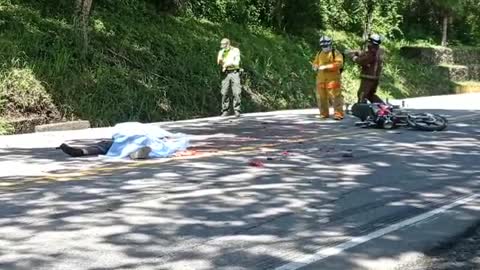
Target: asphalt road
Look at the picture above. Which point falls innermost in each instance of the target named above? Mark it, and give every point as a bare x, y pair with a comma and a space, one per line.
328, 196
462, 253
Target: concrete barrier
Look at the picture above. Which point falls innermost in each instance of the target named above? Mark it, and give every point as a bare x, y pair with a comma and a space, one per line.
428, 55
467, 87
71, 125
454, 72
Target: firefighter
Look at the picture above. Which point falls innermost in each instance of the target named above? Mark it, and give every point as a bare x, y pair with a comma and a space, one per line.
371, 63
328, 64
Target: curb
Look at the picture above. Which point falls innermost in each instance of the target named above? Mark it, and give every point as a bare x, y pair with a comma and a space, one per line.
63, 126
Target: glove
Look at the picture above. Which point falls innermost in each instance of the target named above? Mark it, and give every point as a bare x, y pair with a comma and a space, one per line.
322, 67
351, 53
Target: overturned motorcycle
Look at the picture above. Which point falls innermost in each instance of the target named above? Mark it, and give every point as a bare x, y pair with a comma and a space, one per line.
387, 116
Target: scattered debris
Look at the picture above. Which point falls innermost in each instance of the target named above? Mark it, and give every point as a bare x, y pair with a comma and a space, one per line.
187, 153
256, 163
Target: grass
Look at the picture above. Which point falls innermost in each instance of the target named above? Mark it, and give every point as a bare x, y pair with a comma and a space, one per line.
146, 67
5, 127
166, 71
405, 78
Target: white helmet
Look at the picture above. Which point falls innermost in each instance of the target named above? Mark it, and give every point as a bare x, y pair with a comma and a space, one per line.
224, 43
375, 39
325, 41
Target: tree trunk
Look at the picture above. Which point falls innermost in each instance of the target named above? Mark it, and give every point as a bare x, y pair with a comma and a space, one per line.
82, 15
278, 14
445, 31
368, 26
370, 7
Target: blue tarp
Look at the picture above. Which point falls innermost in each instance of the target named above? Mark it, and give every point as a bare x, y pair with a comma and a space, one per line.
131, 136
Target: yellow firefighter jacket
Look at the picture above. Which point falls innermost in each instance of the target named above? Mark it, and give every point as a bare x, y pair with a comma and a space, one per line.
332, 73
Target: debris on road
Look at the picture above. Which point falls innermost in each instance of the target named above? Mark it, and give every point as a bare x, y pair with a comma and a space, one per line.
256, 163
187, 153
348, 154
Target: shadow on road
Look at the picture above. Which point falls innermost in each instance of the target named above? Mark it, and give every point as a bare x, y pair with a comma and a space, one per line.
219, 212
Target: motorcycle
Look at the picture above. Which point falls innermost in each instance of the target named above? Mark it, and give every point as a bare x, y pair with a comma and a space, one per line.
387, 116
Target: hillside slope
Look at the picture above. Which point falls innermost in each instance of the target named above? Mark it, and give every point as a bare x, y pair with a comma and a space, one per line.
143, 66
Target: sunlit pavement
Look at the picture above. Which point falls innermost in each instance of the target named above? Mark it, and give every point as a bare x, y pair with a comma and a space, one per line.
328, 196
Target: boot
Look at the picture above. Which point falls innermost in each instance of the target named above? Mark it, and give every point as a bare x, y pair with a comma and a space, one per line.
71, 151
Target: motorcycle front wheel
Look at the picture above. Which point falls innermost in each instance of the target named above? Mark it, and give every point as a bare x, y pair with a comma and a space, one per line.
427, 121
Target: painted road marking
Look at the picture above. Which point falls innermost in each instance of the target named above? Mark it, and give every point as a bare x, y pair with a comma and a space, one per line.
336, 250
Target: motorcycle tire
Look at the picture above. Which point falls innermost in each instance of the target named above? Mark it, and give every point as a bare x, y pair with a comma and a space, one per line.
427, 121
362, 111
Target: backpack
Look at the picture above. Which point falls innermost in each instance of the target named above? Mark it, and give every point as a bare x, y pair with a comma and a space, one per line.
343, 56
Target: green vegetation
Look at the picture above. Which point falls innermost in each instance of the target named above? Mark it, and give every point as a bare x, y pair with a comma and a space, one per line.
144, 65
165, 71
5, 128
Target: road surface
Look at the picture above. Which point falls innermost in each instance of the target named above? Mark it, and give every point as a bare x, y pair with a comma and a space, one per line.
328, 196
462, 253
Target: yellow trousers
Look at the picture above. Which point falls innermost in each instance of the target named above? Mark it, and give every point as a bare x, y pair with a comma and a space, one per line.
330, 94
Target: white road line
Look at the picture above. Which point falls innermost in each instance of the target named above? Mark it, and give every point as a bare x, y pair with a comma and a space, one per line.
332, 251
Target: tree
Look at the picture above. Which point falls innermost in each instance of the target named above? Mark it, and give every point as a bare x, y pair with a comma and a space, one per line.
299, 15
363, 16
169, 6
81, 19
278, 14
448, 9
369, 8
